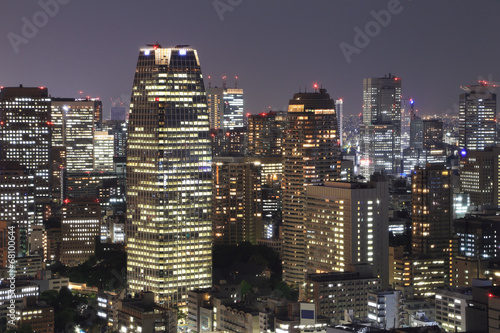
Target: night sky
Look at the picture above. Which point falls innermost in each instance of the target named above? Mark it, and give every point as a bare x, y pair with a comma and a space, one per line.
274, 47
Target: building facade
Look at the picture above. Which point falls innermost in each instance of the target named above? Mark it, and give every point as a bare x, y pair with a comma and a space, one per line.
169, 176
311, 149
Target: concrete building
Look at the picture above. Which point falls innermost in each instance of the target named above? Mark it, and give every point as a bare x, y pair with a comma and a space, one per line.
236, 201
310, 148
451, 305
345, 225
81, 219
169, 176
39, 317
335, 293
384, 308
145, 316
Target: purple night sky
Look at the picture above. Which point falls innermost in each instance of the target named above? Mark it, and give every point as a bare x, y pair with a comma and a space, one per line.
274, 47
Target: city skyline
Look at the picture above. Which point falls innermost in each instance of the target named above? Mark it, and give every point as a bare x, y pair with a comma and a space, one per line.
328, 45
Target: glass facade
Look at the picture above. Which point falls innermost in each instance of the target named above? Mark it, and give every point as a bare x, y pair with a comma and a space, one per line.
169, 177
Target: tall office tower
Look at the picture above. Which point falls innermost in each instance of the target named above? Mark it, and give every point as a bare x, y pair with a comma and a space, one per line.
339, 107
169, 176
477, 117
479, 176
236, 201
432, 213
265, 132
25, 137
225, 106
407, 110
74, 124
432, 134
80, 227
381, 129
17, 201
416, 129
346, 224
271, 171
310, 152
104, 150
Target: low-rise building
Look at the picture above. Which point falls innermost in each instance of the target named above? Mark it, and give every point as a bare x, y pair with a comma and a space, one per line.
334, 293
451, 304
145, 316
39, 316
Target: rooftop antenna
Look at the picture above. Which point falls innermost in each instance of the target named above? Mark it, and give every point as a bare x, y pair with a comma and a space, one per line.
236, 83
224, 82
209, 81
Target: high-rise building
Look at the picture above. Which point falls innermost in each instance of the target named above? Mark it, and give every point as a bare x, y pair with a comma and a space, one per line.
265, 134
236, 201
432, 134
477, 117
169, 176
104, 151
346, 224
432, 213
25, 137
225, 106
74, 125
17, 201
479, 176
81, 219
381, 128
310, 152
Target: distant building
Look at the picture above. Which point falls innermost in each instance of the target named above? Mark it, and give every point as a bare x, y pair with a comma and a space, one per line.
25, 137
81, 219
479, 176
381, 128
225, 106
266, 132
75, 121
236, 201
104, 150
477, 117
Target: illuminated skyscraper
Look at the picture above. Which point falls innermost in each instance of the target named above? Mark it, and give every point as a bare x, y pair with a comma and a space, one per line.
381, 143
25, 137
431, 200
74, 125
265, 134
237, 201
169, 176
311, 152
477, 117
79, 229
17, 201
225, 106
